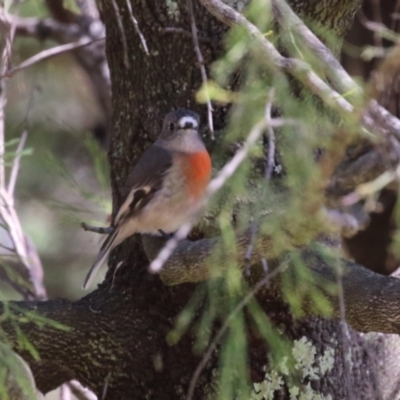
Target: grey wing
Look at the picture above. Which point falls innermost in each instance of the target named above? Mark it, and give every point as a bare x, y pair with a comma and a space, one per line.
142, 184
144, 181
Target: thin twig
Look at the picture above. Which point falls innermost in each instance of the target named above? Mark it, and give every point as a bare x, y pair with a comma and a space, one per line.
121, 31
264, 264
157, 264
297, 68
80, 392
375, 118
268, 173
25, 252
376, 9
15, 167
338, 76
22, 247
200, 367
181, 31
184, 32
393, 24
46, 54
106, 383
379, 30
137, 29
97, 229
7, 39
249, 251
8, 214
202, 67
65, 392
35, 27
271, 137
229, 169
10, 249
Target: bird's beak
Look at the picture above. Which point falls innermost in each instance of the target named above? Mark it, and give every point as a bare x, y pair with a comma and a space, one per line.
187, 126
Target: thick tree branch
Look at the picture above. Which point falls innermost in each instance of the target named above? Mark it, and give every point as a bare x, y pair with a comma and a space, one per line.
81, 340
371, 306
372, 300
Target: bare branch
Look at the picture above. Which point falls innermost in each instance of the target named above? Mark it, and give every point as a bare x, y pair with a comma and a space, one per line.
181, 31
275, 61
65, 392
106, 383
137, 29
49, 53
8, 37
21, 245
373, 117
271, 138
121, 31
80, 392
15, 167
25, 252
97, 229
202, 67
337, 75
270, 163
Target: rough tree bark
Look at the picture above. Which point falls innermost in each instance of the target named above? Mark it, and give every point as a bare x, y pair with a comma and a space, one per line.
116, 336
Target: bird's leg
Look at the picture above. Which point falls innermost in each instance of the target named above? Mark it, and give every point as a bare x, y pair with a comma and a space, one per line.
97, 229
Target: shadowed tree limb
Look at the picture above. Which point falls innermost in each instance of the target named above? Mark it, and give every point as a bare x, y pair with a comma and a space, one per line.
372, 300
371, 306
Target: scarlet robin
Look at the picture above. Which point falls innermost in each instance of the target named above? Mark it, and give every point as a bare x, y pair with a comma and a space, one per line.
165, 188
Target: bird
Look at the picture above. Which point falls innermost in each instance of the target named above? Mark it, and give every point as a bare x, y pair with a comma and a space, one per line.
165, 189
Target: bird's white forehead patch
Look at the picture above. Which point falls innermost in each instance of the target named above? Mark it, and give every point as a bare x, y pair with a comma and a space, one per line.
184, 120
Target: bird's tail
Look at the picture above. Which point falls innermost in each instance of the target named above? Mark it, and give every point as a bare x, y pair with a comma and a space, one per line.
105, 249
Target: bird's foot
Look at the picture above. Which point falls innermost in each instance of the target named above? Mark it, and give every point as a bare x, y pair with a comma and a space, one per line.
165, 235
97, 229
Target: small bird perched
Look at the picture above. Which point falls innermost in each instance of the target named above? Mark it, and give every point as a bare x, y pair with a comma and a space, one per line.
166, 187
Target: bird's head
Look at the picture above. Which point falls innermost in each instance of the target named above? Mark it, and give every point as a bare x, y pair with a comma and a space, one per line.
180, 123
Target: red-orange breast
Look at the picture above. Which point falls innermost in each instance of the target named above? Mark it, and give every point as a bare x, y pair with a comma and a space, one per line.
198, 173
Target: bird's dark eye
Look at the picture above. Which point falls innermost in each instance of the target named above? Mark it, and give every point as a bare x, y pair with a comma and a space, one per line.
171, 126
